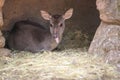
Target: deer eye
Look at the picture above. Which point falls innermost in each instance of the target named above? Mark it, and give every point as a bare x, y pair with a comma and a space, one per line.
51, 25
61, 25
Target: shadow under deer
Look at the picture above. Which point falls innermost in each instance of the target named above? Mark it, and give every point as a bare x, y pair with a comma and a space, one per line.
33, 37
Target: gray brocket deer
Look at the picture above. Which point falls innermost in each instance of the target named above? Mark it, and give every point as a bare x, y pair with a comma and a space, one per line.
30, 36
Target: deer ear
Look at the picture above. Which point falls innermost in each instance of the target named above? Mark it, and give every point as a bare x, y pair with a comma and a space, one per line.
68, 13
45, 15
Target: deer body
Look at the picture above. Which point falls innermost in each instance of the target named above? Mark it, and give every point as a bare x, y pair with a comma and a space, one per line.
33, 37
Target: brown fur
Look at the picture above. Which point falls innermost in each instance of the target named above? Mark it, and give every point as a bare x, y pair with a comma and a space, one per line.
31, 36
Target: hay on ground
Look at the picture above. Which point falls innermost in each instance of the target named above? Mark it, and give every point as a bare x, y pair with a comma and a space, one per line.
72, 64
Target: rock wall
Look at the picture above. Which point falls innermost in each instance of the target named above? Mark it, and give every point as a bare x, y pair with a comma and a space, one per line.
107, 38
3, 51
1, 16
2, 39
85, 13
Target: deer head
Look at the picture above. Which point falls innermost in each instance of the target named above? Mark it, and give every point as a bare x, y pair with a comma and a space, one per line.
57, 23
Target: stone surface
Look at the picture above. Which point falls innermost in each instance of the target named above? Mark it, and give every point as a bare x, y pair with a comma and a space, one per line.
1, 15
2, 40
1, 3
106, 42
109, 10
5, 52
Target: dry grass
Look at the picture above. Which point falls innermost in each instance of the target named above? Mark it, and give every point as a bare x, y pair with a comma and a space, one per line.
72, 64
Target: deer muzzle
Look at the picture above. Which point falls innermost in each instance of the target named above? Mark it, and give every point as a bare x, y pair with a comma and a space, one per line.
57, 40
55, 36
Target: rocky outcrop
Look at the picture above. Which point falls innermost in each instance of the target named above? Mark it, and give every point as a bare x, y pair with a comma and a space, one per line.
2, 39
1, 16
109, 10
3, 51
106, 41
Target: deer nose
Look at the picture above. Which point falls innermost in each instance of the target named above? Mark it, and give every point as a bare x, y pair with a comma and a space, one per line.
55, 35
